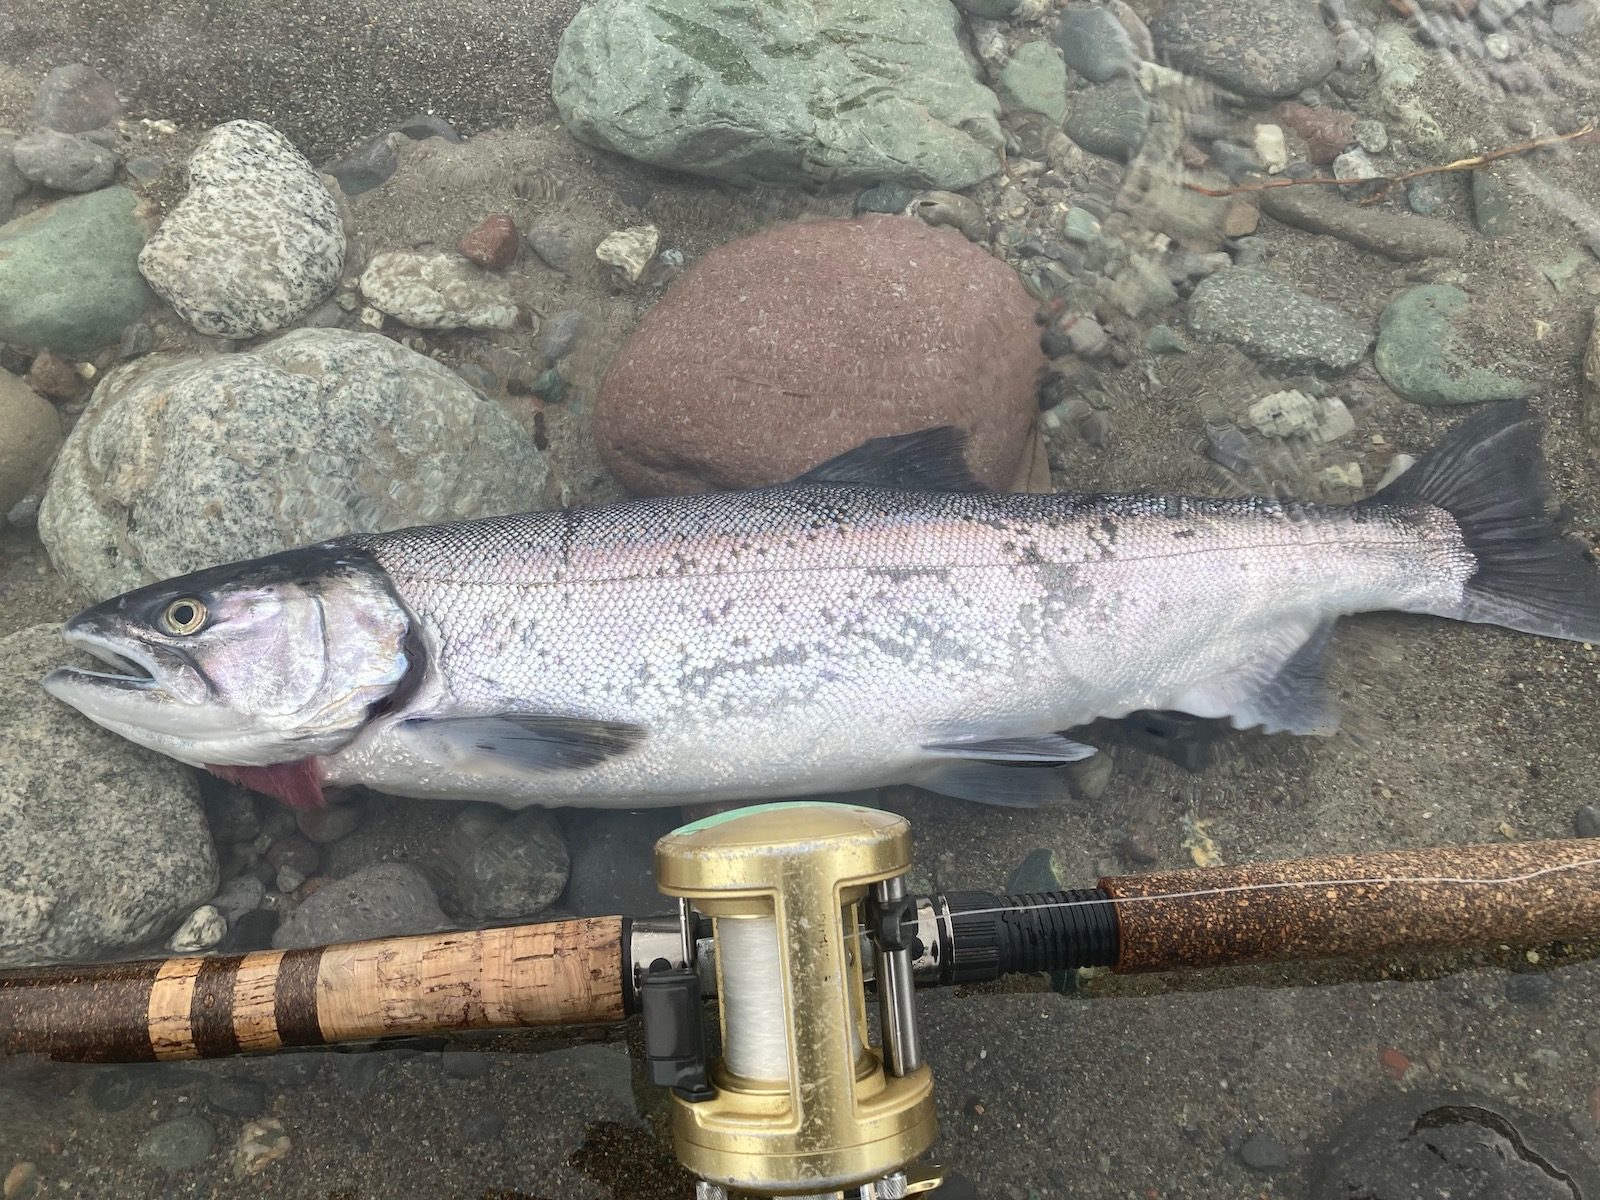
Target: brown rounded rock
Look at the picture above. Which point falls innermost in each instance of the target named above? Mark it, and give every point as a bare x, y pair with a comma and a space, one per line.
777, 351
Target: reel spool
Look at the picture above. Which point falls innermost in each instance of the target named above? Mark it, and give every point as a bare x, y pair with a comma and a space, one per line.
800, 1103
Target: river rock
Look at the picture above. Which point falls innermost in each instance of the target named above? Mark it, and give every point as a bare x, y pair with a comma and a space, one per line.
64, 162
1094, 43
438, 291
846, 330
497, 865
384, 900
846, 94
1276, 322
1259, 47
69, 276
256, 243
102, 844
75, 99
1395, 235
316, 433
1109, 118
1422, 355
1035, 80
32, 435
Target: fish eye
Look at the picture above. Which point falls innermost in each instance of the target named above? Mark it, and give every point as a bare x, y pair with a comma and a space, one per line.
184, 616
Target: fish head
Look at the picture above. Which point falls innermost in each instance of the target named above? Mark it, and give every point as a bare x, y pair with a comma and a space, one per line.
261, 662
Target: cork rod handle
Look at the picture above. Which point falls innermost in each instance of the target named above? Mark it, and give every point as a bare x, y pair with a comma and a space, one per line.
568, 972
1358, 904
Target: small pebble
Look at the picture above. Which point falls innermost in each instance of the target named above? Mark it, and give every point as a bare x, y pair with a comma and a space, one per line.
1354, 164
145, 169
205, 927
493, 244
1395, 1061
1087, 337
889, 198
261, 1143
179, 1144
53, 378
558, 334
1371, 136
1138, 847
1263, 1152
550, 386
425, 125
1240, 218
288, 879
295, 851
629, 250
1587, 821
1270, 148
552, 244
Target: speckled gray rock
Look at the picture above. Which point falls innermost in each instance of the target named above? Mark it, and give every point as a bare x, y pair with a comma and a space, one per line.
1094, 43
183, 462
497, 865
864, 93
557, 335
1276, 322
69, 279
255, 244
30, 435
1258, 47
1035, 80
64, 162
438, 291
74, 99
1109, 118
102, 845
378, 901
1422, 355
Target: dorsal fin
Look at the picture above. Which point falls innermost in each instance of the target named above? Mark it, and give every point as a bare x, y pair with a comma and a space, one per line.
930, 460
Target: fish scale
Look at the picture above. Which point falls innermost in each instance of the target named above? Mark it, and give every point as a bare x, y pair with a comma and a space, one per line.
853, 626
879, 621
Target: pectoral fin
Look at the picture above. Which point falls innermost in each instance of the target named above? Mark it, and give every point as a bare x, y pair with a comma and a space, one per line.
522, 742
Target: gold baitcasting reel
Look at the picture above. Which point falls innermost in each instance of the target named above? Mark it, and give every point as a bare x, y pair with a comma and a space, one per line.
801, 1102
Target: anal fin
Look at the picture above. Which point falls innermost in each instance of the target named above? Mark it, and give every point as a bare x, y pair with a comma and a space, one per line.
1282, 691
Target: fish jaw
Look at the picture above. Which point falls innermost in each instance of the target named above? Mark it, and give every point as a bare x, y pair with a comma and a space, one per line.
156, 698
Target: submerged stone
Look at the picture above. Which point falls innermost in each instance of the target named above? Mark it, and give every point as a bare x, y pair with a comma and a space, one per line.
782, 94
313, 434
1421, 353
69, 275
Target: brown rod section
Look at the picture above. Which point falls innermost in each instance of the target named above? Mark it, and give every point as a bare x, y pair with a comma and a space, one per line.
563, 973
1339, 905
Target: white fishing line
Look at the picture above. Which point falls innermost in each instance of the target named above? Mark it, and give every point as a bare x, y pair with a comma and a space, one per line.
756, 1044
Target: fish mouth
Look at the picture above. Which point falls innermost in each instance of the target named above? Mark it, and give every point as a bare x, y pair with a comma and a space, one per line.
136, 667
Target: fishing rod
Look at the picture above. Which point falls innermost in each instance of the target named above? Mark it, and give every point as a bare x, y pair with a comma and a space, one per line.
785, 913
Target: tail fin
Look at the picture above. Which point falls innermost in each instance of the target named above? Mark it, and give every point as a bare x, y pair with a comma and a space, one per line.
1489, 475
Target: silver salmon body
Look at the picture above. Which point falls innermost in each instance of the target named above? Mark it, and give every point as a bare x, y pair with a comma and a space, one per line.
878, 621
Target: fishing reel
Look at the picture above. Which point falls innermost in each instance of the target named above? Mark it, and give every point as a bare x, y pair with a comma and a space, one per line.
802, 1101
